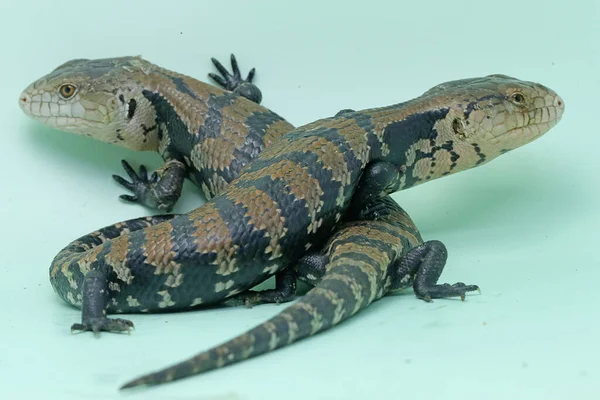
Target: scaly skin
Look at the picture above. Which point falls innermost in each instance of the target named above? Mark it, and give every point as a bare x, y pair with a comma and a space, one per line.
205, 133
295, 193
362, 262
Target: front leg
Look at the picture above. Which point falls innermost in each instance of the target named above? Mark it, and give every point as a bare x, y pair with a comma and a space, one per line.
160, 191
235, 83
422, 267
377, 181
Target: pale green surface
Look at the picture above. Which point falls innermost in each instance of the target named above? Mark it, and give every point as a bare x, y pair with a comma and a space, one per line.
524, 227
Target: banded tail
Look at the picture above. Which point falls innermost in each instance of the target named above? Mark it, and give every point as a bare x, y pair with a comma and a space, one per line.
359, 269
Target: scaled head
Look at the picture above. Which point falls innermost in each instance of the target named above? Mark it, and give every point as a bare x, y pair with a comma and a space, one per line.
497, 113
99, 98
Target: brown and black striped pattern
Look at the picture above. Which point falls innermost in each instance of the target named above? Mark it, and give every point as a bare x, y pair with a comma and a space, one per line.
213, 131
293, 195
257, 227
361, 268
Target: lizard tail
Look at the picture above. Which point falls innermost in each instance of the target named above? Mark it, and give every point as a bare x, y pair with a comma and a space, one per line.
347, 287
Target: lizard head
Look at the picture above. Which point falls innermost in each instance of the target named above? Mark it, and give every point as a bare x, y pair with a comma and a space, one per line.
465, 123
494, 114
99, 98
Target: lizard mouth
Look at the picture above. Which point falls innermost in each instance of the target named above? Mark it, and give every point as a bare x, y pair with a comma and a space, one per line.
534, 123
71, 116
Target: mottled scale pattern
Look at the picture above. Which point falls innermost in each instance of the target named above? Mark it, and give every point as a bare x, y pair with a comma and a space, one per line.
70, 265
257, 227
214, 131
294, 195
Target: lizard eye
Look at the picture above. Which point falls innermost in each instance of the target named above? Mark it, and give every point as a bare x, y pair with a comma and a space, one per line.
67, 90
518, 98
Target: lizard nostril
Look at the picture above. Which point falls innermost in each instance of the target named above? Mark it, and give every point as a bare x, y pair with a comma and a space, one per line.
24, 100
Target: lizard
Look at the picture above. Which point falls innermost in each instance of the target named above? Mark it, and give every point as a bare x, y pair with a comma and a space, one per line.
379, 253
203, 132
293, 195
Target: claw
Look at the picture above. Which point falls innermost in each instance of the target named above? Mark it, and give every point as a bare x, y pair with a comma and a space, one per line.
235, 68
143, 174
127, 167
218, 79
220, 67
251, 75
123, 182
131, 199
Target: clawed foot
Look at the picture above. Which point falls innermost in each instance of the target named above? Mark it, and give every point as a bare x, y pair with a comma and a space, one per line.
242, 299
229, 81
235, 83
284, 291
253, 298
139, 185
458, 289
103, 324
425, 263
159, 191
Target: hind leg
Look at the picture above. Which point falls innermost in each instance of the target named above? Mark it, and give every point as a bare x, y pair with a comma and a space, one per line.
422, 267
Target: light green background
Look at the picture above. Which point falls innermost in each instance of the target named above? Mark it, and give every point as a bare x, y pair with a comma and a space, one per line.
524, 227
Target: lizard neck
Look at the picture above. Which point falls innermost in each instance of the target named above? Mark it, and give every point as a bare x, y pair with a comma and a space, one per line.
163, 92
417, 137
182, 105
